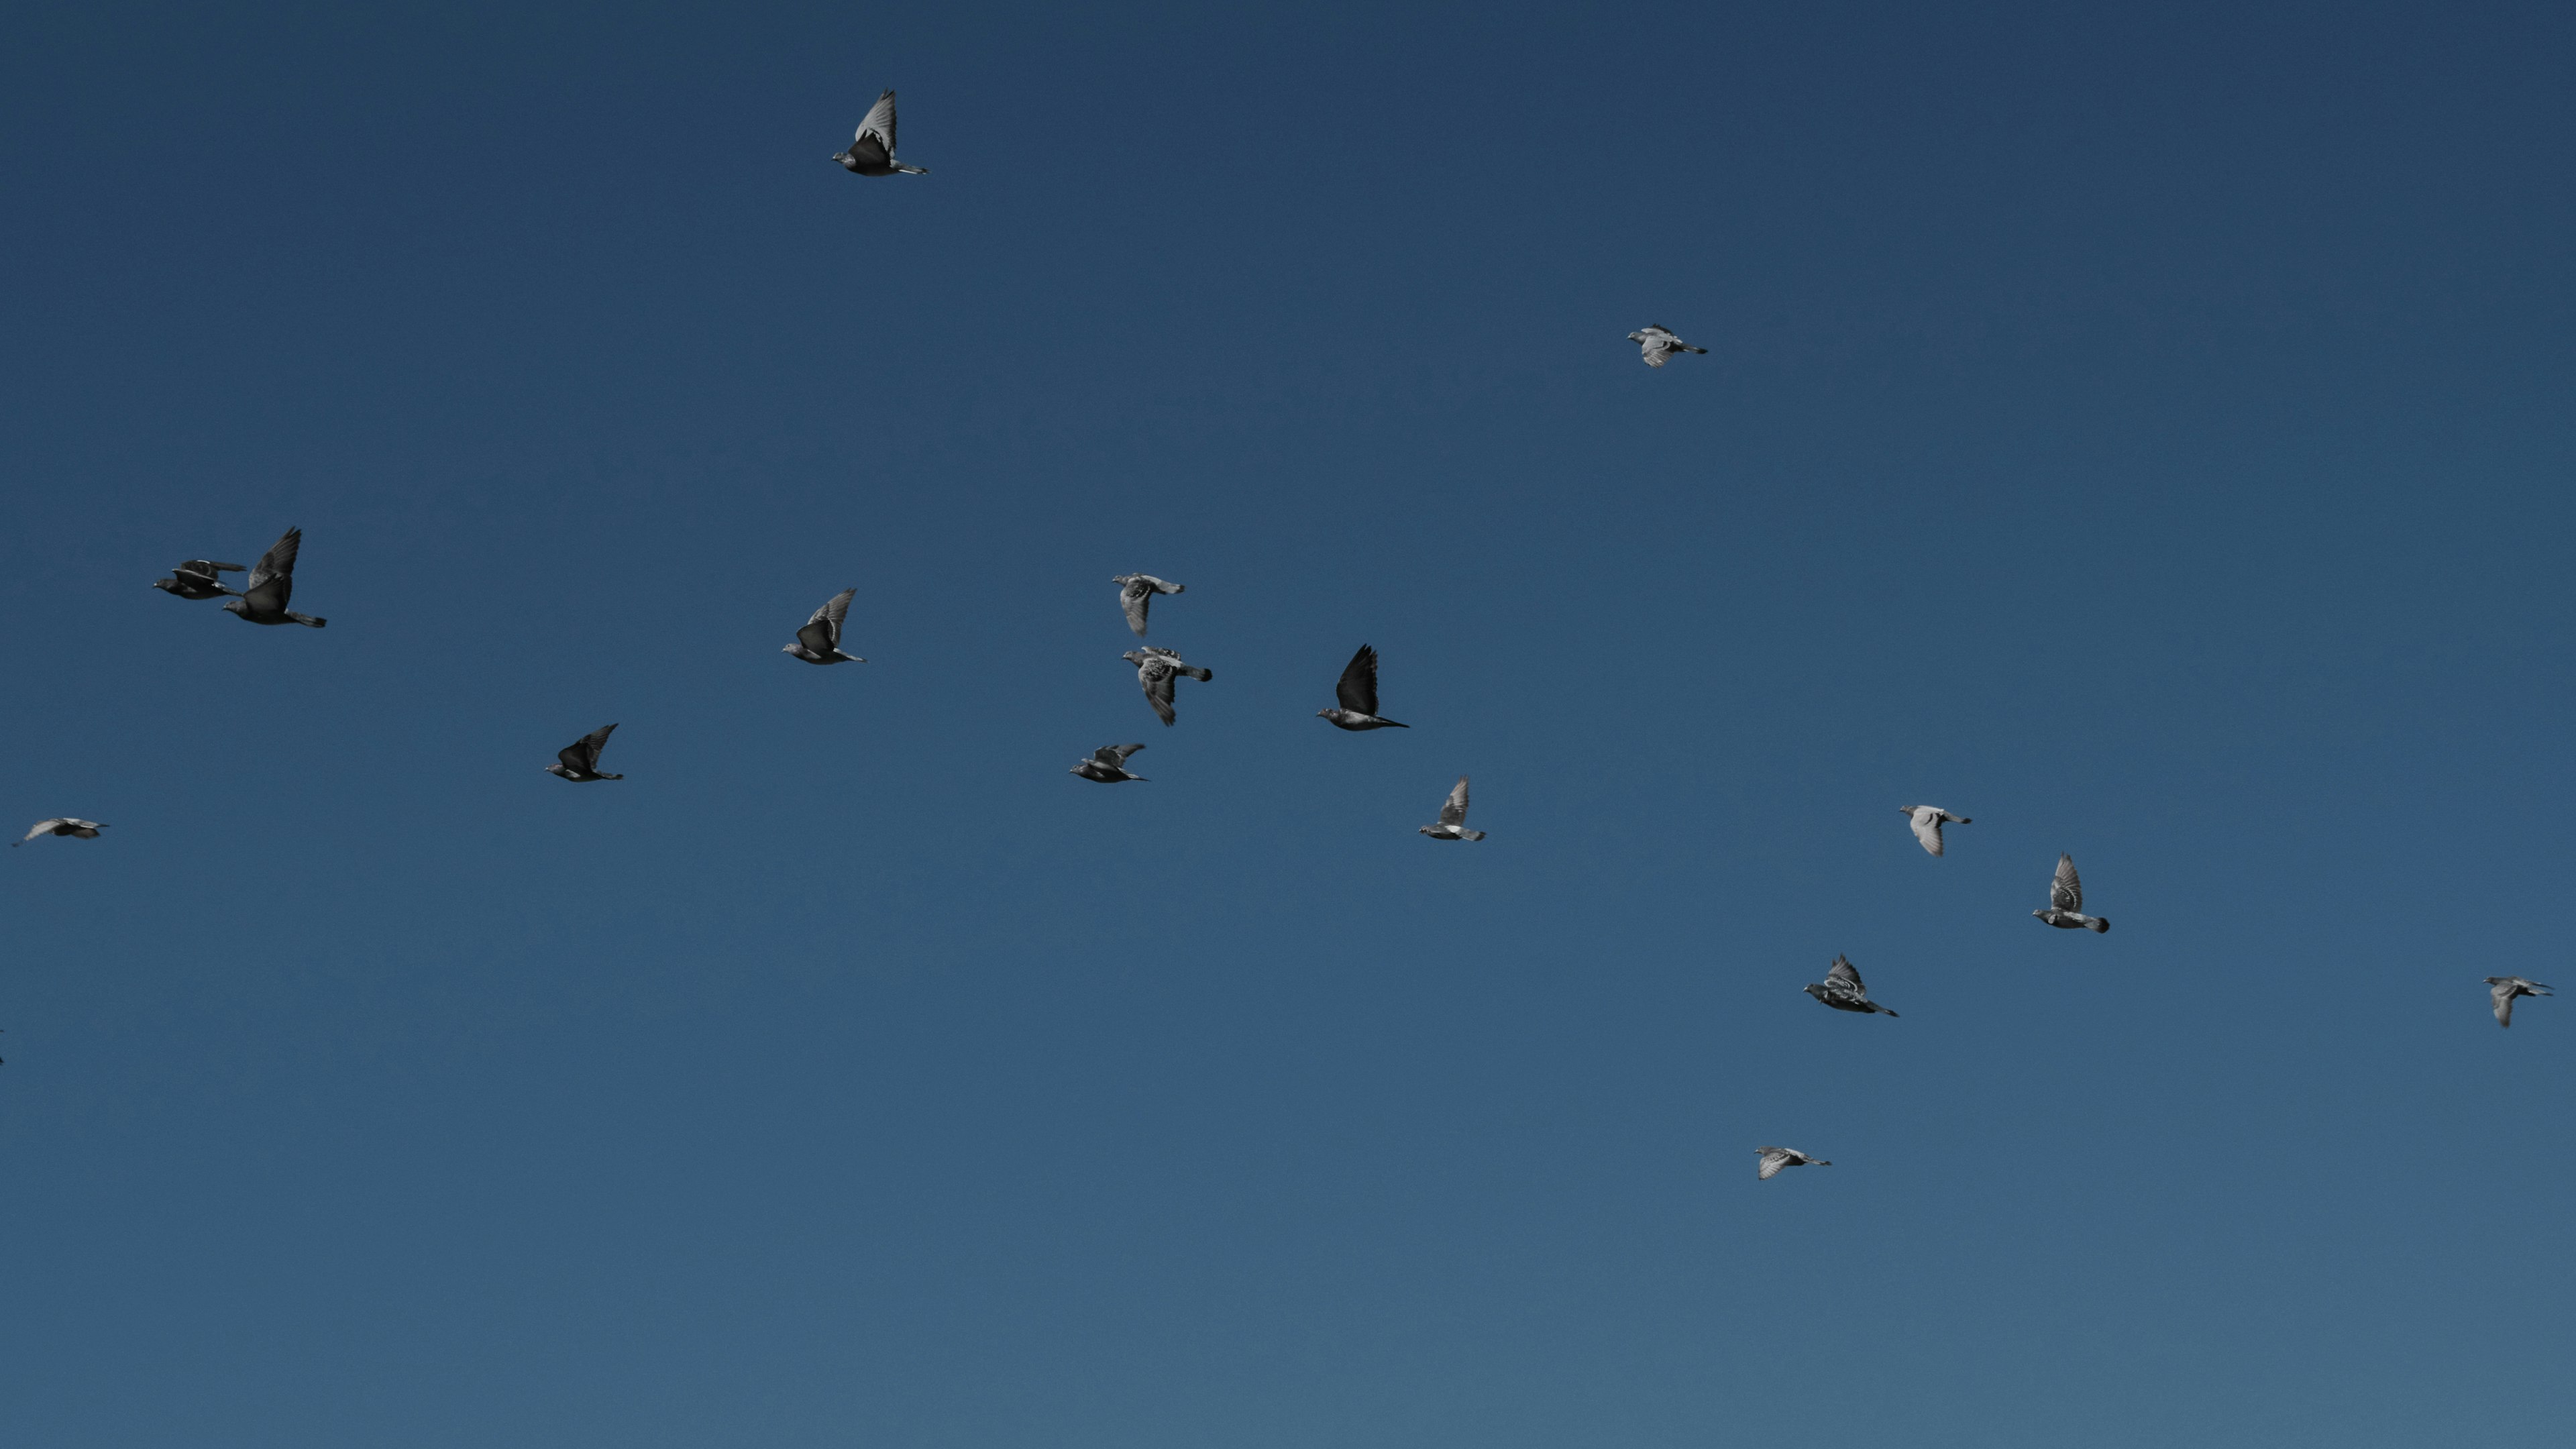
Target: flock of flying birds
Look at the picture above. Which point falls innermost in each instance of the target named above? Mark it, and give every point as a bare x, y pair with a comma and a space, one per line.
264, 595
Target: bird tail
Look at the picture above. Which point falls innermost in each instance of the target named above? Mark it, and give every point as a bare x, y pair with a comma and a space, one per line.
908, 169
1686, 347
2098, 926
1391, 724
1883, 1011
612, 777
1201, 675
1471, 835
307, 620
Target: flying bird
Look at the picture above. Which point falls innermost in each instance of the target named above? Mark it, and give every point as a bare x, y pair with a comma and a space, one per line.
1927, 824
2505, 988
197, 579
1156, 669
1108, 764
1841, 990
2066, 901
1358, 694
272, 582
62, 825
1657, 344
579, 761
819, 642
872, 152
1775, 1158
1453, 817
1136, 594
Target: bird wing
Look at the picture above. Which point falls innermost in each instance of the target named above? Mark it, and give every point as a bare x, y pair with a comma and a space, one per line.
582, 755
41, 827
1455, 811
822, 633
1136, 597
1927, 828
1656, 351
1843, 970
272, 581
1773, 1159
2503, 993
1115, 756
2066, 891
879, 125
1155, 675
1358, 687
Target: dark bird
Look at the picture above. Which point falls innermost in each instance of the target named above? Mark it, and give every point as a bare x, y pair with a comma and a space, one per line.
272, 583
1453, 817
2505, 988
1927, 824
579, 761
1775, 1158
1657, 344
1156, 669
1358, 694
62, 825
872, 152
1841, 990
819, 642
1136, 595
1108, 764
2066, 901
196, 579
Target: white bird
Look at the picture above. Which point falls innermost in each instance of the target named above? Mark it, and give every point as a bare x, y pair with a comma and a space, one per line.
1927, 824
63, 825
2503, 989
1453, 817
1156, 669
819, 642
2066, 901
1657, 344
1108, 764
272, 583
1775, 1158
871, 152
1136, 594
1357, 691
579, 761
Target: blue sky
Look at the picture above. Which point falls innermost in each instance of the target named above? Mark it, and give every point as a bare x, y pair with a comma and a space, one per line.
2147, 435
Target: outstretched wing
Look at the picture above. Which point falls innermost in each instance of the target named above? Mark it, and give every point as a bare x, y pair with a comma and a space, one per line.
1773, 1159
822, 633
582, 755
1156, 677
272, 580
2503, 993
1843, 970
879, 129
1927, 828
1136, 598
2066, 891
1358, 687
43, 827
1455, 811
1115, 756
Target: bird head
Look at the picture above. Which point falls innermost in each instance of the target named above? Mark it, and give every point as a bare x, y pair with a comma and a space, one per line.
1815, 989
236, 606
2042, 914
1323, 714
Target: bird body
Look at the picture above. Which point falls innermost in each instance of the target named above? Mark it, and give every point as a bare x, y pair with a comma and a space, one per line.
198, 578
2503, 989
1841, 990
1453, 817
1775, 1158
2066, 901
819, 642
1656, 343
76, 828
272, 582
871, 152
1136, 595
1927, 824
1357, 692
1108, 764
579, 761
1156, 670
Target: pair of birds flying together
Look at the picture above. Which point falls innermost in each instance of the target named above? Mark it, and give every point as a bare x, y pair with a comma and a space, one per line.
262, 598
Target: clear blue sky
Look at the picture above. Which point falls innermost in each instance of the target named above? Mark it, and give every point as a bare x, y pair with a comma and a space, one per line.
2149, 436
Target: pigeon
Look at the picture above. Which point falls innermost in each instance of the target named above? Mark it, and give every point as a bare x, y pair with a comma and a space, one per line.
1775, 1158
1156, 668
62, 825
2505, 988
1136, 594
2066, 901
196, 579
1358, 694
1453, 817
579, 761
1927, 824
272, 581
1657, 344
1841, 990
819, 642
1108, 764
871, 153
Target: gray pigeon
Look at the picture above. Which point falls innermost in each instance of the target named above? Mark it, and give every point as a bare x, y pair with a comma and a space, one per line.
1156, 669
2505, 988
1136, 594
872, 152
272, 582
819, 642
1358, 694
579, 761
197, 579
1453, 817
1108, 764
63, 825
1775, 1158
1927, 824
1841, 990
2066, 901
1658, 344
